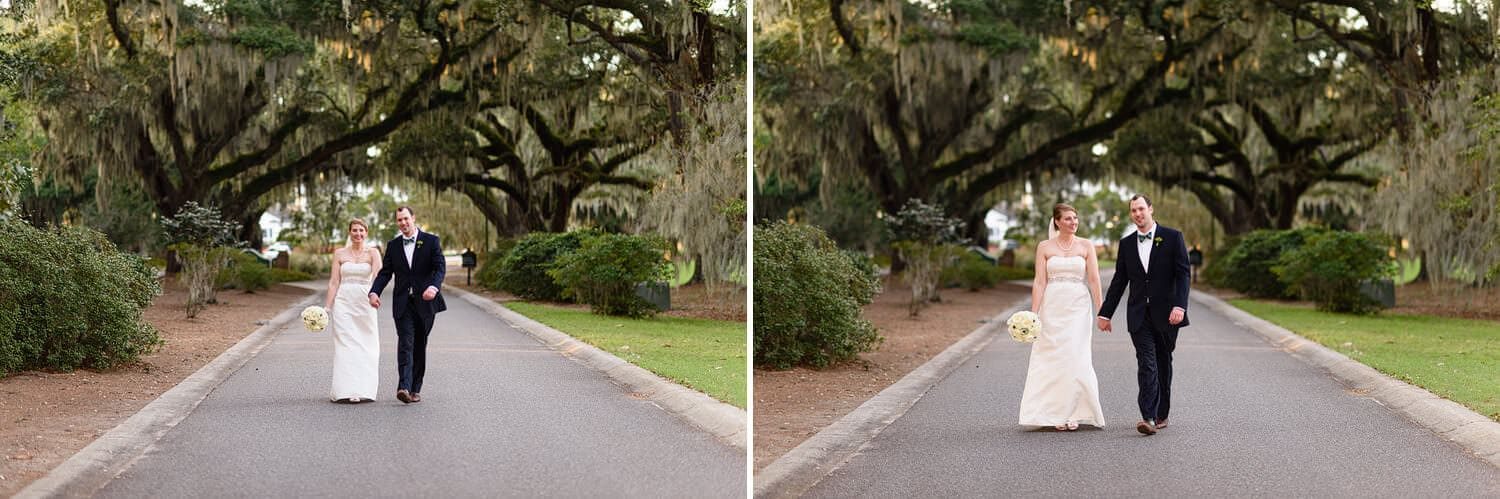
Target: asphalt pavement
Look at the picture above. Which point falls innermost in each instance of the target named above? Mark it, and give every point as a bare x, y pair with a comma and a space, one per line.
1248, 419
501, 416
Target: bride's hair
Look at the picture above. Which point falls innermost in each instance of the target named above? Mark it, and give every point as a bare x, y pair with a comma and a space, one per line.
1057, 212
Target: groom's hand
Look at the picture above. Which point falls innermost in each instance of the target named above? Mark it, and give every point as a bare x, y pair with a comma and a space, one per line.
374, 300
1103, 324
429, 294
1176, 316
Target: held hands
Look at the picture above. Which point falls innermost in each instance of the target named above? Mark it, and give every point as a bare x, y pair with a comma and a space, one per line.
1176, 316
1104, 324
374, 300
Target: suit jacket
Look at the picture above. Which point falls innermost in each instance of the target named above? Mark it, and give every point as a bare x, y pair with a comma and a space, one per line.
1153, 292
427, 268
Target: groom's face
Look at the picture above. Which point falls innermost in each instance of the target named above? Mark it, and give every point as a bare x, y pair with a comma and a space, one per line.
404, 221
1140, 213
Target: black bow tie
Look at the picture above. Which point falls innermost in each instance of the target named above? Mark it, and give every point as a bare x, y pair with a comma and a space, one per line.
408, 240
1141, 238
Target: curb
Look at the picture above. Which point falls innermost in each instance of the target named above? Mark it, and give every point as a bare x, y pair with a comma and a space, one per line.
91, 468
1472, 431
794, 473
725, 422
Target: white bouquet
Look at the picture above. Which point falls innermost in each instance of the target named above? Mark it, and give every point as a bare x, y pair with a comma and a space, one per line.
1023, 326
315, 318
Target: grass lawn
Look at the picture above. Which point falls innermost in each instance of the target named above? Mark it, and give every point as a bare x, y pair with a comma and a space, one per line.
705, 355
1457, 359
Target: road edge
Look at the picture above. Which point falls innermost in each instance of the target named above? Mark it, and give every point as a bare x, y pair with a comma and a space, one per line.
725, 422
1448, 419
797, 471
96, 464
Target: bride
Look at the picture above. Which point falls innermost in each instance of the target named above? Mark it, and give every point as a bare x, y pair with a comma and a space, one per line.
355, 332
1062, 390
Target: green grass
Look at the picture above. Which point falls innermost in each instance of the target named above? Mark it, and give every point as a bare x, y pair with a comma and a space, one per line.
705, 355
1457, 359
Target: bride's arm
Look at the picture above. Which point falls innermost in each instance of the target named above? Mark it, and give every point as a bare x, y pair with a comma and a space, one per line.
1039, 281
374, 260
1093, 276
333, 281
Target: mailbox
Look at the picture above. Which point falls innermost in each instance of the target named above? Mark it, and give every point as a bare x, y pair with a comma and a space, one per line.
470, 260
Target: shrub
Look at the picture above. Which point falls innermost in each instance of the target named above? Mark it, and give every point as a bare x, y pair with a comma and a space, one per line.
287, 275
1328, 269
246, 273
604, 271
807, 299
69, 299
524, 272
201, 238
311, 263
1015, 273
490, 264
972, 272
1247, 266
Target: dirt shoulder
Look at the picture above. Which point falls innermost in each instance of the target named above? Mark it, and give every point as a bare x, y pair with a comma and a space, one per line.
793, 405
47, 417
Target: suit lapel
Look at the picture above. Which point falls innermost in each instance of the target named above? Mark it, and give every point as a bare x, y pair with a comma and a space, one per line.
1156, 253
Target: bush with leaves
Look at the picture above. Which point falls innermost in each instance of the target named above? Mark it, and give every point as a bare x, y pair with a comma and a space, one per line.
246, 273
488, 274
604, 270
808, 299
1330, 266
972, 272
524, 272
203, 242
927, 241
1246, 267
69, 299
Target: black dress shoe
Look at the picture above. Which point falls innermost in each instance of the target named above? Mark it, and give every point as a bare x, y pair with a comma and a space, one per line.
403, 396
1147, 427
416, 397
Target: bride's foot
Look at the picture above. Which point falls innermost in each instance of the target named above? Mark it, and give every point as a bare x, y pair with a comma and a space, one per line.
1061, 427
1072, 426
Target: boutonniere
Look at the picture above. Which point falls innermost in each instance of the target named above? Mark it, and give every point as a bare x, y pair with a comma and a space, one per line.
419, 242
1158, 241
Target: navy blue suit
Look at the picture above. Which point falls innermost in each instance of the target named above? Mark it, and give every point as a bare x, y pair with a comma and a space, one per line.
414, 316
1153, 294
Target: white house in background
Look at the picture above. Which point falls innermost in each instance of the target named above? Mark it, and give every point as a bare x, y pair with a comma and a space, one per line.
272, 222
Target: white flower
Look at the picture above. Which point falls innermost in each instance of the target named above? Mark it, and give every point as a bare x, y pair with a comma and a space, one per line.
1023, 326
315, 318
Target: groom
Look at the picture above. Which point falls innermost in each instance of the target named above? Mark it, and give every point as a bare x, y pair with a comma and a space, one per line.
1153, 260
416, 259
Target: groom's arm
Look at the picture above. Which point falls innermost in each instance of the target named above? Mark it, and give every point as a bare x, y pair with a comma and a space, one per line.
439, 266
1181, 272
384, 276
1116, 286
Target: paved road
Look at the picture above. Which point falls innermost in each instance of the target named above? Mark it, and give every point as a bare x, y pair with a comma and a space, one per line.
501, 416
1247, 420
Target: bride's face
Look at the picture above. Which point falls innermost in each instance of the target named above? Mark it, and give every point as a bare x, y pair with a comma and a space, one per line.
357, 233
1068, 224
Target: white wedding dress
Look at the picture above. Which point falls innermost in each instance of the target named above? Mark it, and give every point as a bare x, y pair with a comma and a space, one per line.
1060, 382
356, 335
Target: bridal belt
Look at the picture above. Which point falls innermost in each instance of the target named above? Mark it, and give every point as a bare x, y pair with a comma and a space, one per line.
1078, 280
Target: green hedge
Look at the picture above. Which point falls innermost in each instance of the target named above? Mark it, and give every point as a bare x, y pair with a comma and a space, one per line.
524, 271
1328, 269
1246, 267
808, 299
245, 273
488, 274
972, 272
604, 270
69, 299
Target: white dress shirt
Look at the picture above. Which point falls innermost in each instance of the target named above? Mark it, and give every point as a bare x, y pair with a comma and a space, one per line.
1143, 248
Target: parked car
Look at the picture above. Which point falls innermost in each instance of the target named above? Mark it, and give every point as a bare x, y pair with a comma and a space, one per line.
277, 248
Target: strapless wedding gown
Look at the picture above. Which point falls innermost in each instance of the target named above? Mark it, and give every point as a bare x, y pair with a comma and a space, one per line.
1060, 382
356, 335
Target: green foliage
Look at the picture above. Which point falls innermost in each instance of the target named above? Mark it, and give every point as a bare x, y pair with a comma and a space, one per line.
246, 273
807, 300
69, 299
273, 41
286, 275
1329, 267
1016, 273
605, 269
198, 225
924, 223
972, 272
1246, 267
201, 238
524, 272
311, 264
